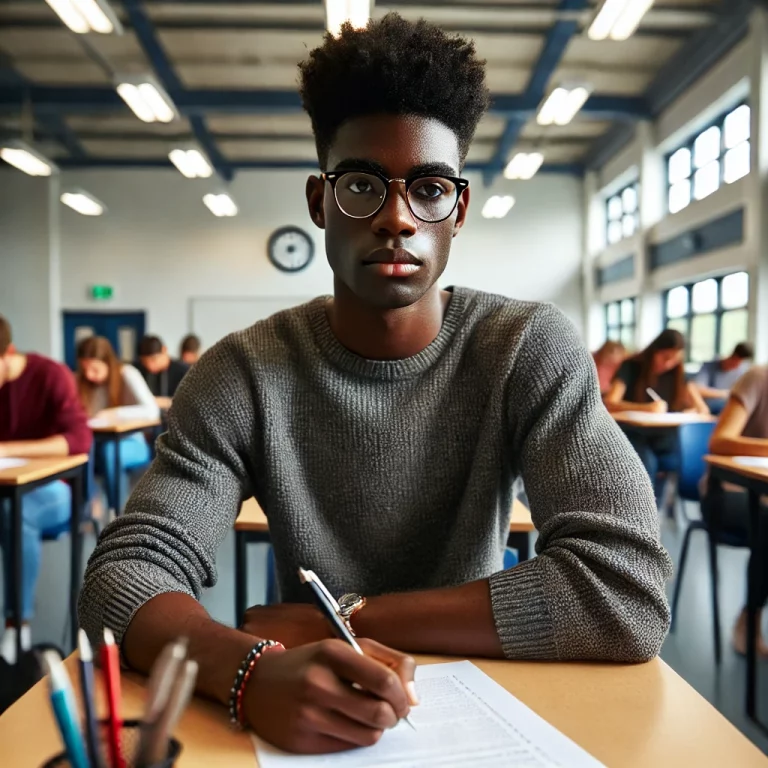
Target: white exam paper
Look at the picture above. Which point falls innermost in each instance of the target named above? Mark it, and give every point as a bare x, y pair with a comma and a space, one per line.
464, 719
663, 418
12, 463
752, 461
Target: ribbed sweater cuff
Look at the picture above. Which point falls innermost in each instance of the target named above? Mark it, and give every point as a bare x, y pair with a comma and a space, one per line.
521, 613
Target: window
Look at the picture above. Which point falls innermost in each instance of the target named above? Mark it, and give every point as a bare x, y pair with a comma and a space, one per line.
717, 155
711, 314
620, 322
622, 214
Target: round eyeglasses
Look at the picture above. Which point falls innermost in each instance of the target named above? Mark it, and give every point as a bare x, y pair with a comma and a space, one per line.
360, 194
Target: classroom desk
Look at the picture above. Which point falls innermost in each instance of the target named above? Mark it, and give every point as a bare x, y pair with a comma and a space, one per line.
252, 527
755, 480
14, 483
114, 430
627, 716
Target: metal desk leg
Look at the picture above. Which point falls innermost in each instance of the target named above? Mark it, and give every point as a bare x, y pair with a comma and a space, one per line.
753, 580
241, 576
76, 555
17, 565
522, 543
118, 478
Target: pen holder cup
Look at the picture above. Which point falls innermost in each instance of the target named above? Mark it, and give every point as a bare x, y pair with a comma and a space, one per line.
129, 745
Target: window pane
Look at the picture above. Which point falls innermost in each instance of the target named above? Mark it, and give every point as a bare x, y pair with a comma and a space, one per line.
614, 334
680, 324
628, 337
735, 290
614, 208
702, 338
705, 296
629, 200
613, 314
679, 195
706, 148
614, 232
677, 302
736, 163
679, 167
733, 330
627, 312
706, 180
737, 126
628, 225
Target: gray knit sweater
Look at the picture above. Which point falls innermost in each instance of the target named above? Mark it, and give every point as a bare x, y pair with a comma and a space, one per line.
388, 476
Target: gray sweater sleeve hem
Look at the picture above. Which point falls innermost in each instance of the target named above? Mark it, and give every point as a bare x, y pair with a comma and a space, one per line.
520, 610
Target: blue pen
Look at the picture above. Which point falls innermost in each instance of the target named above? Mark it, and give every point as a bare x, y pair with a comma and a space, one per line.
89, 702
65, 711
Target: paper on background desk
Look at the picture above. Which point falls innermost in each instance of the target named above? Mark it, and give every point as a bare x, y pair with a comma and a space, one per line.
662, 418
12, 463
752, 461
464, 719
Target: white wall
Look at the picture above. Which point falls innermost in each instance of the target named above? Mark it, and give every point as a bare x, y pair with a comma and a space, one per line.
160, 247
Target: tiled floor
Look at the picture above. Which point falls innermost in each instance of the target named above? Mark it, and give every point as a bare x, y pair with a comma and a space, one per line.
689, 651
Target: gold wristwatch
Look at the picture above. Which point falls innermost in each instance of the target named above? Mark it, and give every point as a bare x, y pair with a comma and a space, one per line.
349, 605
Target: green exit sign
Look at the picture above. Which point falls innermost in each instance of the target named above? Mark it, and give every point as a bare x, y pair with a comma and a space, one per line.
102, 292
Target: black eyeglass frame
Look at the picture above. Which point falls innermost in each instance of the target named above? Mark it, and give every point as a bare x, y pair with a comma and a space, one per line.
461, 184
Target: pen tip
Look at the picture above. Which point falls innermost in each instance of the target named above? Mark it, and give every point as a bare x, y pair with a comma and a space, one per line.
84, 646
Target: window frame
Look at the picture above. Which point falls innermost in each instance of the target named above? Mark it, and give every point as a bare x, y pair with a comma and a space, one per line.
688, 317
719, 121
635, 185
622, 326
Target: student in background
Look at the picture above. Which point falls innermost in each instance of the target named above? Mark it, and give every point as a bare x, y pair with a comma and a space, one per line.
162, 374
190, 349
658, 367
40, 415
104, 383
741, 430
608, 359
715, 379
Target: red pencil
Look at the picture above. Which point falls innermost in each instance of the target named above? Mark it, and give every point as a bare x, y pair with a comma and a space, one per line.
110, 663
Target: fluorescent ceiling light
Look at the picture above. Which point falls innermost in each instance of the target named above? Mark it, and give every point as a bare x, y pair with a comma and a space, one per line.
191, 163
147, 100
221, 204
356, 12
618, 19
81, 201
83, 16
561, 106
523, 165
27, 159
498, 206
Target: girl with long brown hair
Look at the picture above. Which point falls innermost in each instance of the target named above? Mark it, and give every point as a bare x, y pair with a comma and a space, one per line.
105, 385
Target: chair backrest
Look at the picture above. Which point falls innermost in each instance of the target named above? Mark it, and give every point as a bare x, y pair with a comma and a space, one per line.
693, 445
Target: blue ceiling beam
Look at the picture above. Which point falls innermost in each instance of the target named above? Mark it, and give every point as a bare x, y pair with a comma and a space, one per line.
154, 51
551, 55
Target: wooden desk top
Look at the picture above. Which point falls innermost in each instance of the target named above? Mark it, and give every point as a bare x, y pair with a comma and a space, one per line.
38, 469
252, 518
727, 462
104, 426
626, 716
660, 420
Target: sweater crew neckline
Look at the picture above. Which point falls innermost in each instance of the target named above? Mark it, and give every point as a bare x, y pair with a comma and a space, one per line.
386, 370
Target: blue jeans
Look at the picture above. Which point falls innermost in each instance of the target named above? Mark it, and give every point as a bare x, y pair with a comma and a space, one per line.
657, 452
134, 453
42, 510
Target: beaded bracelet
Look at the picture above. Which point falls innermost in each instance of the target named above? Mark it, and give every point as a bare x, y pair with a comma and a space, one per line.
243, 675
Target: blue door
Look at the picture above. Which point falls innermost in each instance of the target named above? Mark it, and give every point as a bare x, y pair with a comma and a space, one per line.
123, 329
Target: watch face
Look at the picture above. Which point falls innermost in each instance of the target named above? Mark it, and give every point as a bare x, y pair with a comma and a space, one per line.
290, 249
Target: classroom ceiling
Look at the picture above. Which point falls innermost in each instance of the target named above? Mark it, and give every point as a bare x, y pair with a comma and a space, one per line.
231, 69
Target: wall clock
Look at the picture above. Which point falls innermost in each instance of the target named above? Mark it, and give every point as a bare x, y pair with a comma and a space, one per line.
290, 249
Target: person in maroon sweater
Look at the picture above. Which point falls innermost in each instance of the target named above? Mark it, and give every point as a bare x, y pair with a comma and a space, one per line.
40, 415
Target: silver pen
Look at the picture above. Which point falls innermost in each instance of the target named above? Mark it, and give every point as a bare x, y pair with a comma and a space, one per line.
653, 395
330, 609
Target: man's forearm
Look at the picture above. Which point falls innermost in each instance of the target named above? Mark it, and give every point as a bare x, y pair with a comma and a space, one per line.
712, 393
35, 449
452, 621
739, 446
218, 650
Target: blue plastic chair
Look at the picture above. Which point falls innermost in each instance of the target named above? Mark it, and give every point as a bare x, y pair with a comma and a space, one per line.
693, 444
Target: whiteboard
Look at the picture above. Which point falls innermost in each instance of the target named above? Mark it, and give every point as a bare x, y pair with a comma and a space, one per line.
214, 317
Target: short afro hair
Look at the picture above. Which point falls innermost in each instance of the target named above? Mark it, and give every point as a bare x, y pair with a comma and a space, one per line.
393, 66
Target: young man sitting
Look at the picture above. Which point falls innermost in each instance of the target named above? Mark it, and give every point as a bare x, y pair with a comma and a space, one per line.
162, 374
40, 415
382, 430
715, 378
